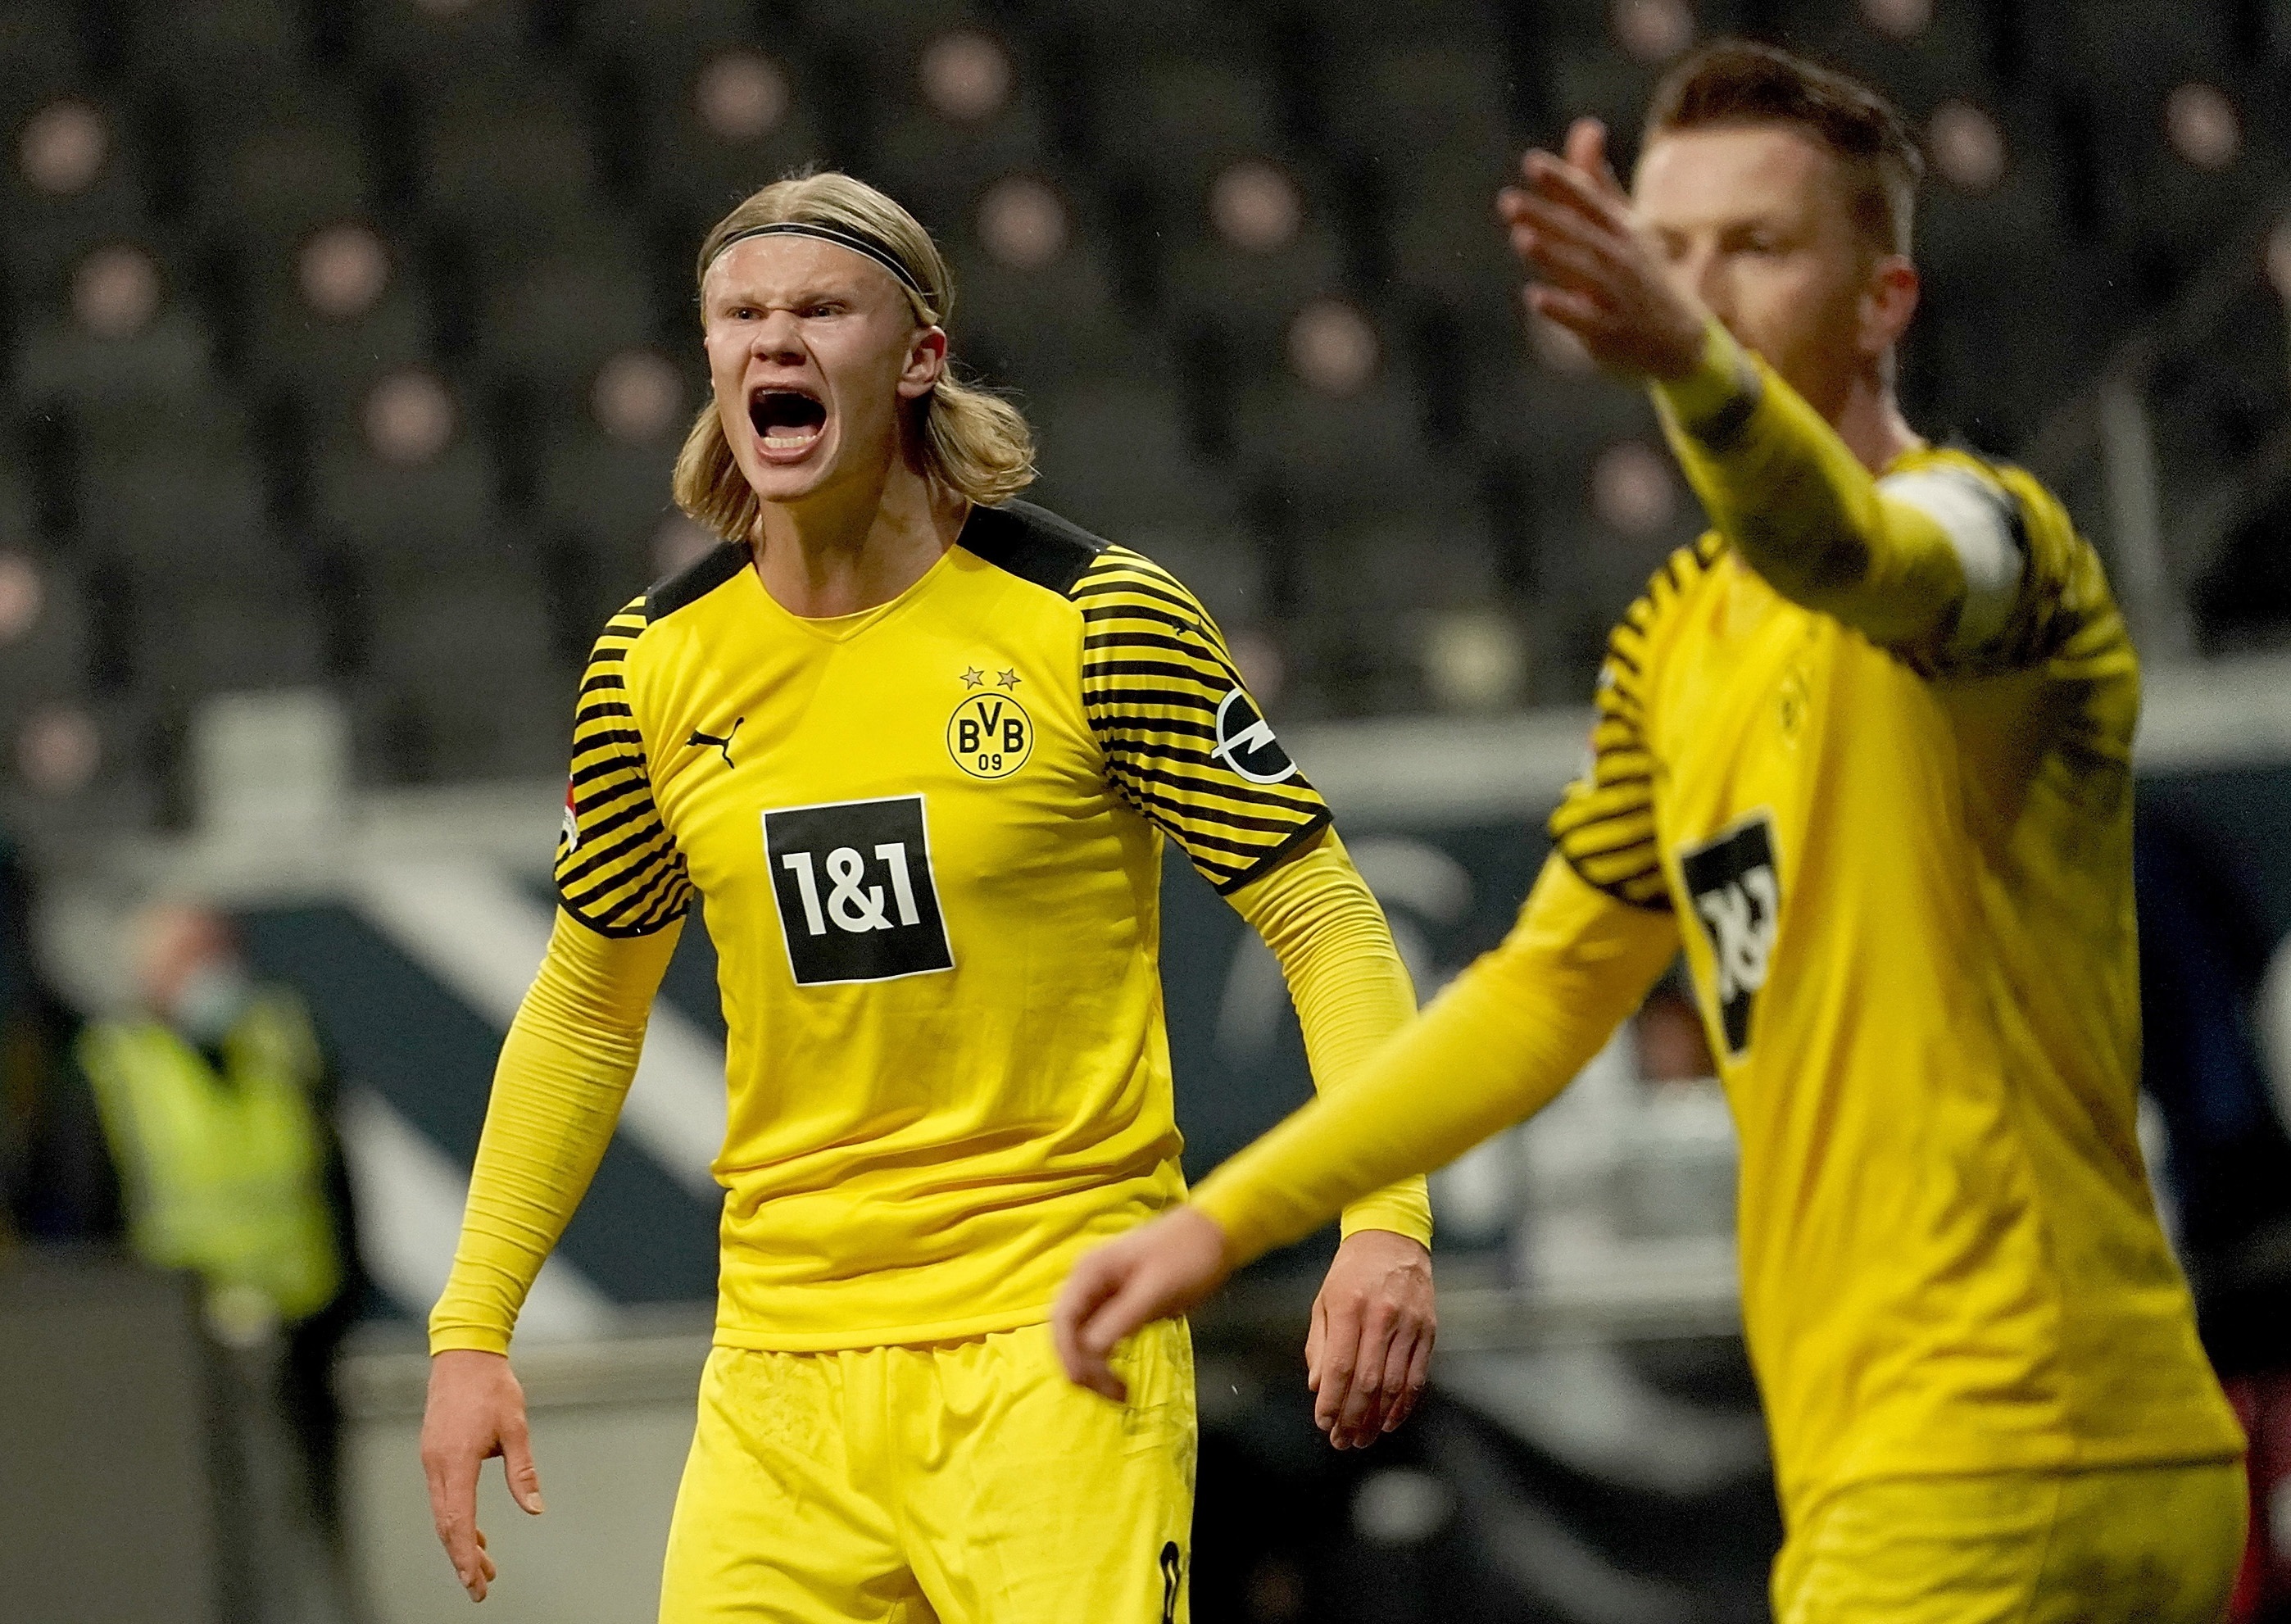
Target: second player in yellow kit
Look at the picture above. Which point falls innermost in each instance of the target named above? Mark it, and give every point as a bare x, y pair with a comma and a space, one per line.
1864, 754
917, 748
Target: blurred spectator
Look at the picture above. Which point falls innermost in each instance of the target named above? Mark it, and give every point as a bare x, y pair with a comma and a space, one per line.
216, 1098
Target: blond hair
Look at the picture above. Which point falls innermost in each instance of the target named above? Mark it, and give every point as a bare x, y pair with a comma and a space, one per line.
973, 442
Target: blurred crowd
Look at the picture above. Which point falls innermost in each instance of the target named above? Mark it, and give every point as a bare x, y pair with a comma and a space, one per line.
350, 345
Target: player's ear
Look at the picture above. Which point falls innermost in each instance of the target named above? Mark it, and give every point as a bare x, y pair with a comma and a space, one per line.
925, 363
1888, 300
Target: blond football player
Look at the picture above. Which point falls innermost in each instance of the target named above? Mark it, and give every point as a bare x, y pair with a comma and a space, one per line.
1864, 753
917, 747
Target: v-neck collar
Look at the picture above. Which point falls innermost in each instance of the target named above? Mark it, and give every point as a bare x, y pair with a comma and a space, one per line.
843, 628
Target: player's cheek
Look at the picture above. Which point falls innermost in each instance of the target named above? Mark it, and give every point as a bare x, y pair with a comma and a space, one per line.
1820, 299
726, 393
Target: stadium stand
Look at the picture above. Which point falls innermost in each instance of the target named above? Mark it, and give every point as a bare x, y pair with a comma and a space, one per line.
352, 344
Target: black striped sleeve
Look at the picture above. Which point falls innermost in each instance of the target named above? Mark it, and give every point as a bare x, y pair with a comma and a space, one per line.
617, 871
1184, 741
1605, 824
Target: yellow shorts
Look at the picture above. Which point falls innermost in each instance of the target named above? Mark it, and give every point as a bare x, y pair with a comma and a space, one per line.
2154, 1545
963, 1482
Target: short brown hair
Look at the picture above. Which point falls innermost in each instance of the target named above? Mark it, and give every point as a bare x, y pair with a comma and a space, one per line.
973, 442
1739, 82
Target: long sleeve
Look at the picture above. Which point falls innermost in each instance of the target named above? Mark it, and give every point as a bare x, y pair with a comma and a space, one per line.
1495, 1046
1928, 560
564, 1070
1351, 990
571, 1050
1187, 745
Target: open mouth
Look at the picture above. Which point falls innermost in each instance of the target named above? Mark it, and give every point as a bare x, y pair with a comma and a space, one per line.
786, 419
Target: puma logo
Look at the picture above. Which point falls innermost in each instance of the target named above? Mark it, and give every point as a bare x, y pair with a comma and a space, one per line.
724, 743
1173, 1563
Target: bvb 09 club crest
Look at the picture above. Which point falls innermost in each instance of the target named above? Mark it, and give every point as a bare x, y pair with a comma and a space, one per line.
990, 735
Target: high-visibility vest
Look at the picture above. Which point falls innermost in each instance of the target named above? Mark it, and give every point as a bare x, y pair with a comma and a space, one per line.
223, 1173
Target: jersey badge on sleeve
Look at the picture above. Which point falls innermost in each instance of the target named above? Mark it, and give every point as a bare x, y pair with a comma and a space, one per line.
570, 831
1738, 899
1245, 742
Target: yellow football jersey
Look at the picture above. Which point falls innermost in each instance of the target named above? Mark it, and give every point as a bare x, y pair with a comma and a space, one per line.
928, 837
1903, 885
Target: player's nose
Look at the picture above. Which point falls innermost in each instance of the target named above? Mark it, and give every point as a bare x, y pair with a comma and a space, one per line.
778, 337
1703, 270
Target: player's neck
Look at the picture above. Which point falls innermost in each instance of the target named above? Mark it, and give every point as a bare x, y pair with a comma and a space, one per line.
1869, 422
842, 553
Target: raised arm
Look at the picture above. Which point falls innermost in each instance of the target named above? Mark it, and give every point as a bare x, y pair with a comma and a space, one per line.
1368, 1352
1928, 560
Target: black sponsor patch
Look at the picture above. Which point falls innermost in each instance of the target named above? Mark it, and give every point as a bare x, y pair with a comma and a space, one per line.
1738, 900
856, 898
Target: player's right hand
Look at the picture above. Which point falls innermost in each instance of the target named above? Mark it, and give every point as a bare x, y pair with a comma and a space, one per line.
1597, 273
1156, 1271
475, 1410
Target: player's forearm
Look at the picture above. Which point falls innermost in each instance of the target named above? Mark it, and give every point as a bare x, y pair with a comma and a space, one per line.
1494, 1048
564, 1071
1781, 486
1351, 990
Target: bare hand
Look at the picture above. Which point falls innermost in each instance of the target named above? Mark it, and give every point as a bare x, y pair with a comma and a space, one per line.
1156, 1271
1598, 276
1370, 1351
475, 1411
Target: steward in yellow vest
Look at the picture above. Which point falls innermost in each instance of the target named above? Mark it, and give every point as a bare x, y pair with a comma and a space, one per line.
221, 1155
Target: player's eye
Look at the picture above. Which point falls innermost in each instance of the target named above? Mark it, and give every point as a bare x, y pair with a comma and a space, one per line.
825, 306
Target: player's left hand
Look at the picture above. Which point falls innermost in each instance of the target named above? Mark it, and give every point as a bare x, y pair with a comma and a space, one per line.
1370, 1351
1598, 275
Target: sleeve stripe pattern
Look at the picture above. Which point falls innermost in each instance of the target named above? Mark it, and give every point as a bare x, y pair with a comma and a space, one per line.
1155, 678
617, 871
1605, 826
